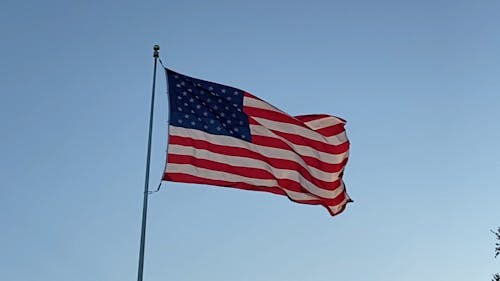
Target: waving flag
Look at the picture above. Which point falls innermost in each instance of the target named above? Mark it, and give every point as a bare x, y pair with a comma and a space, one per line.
223, 136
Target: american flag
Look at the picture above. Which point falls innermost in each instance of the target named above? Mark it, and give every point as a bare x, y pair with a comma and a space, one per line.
223, 136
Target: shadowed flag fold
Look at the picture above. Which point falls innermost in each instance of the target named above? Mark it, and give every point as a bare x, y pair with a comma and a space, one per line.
223, 136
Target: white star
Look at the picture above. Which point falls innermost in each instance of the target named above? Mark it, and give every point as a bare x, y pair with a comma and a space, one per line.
210, 88
215, 107
179, 108
234, 115
228, 121
184, 93
178, 85
219, 128
198, 106
185, 104
189, 90
176, 76
222, 114
236, 129
180, 121
179, 97
236, 93
209, 100
205, 126
182, 83
192, 111
193, 123
191, 100
227, 107
223, 90
205, 113
241, 122
228, 98
219, 100
212, 121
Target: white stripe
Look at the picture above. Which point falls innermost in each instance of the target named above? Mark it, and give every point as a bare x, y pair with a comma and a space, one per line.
218, 175
238, 161
298, 130
314, 172
253, 102
295, 129
338, 138
323, 122
266, 151
302, 150
337, 208
328, 122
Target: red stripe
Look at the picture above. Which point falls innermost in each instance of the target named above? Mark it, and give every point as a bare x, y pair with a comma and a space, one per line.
280, 117
279, 163
302, 140
272, 115
327, 131
254, 172
250, 96
312, 117
270, 142
342, 207
332, 130
312, 161
257, 173
180, 177
223, 167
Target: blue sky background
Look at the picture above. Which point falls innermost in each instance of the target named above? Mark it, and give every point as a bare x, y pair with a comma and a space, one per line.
417, 82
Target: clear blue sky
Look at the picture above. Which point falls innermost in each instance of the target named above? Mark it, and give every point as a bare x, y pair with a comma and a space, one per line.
417, 81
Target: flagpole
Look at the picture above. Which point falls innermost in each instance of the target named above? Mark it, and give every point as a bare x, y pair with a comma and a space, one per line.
156, 49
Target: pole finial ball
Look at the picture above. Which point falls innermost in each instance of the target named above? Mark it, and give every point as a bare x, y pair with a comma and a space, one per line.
156, 47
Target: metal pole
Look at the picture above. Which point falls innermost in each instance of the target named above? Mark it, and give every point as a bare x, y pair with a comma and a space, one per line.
156, 49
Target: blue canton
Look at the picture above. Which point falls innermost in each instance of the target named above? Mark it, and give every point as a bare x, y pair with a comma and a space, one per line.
207, 106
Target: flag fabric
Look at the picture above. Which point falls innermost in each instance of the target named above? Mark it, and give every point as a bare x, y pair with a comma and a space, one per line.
223, 136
